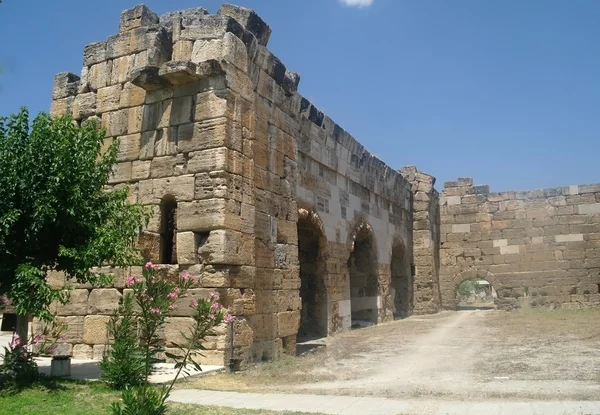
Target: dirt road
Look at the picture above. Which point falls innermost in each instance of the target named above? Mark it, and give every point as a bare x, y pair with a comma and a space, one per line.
471, 355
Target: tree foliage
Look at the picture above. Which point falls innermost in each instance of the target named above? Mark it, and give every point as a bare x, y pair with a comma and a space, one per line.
55, 210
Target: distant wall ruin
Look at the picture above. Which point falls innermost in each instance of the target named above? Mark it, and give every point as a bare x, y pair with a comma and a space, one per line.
537, 248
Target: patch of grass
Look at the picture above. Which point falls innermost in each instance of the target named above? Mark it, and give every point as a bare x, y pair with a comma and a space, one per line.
80, 398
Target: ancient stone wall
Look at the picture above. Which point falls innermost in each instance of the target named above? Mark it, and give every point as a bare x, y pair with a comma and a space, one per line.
537, 248
255, 191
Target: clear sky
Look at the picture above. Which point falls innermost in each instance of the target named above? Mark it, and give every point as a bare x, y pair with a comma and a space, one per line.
506, 92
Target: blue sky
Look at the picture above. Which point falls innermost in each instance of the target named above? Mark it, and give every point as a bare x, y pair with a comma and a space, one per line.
506, 92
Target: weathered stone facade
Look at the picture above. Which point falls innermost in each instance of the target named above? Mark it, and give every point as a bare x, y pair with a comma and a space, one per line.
256, 191
265, 199
537, 248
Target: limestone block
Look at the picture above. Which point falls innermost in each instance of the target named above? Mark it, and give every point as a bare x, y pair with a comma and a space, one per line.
147, 77
116, 122
94, 53
99, 75
62, 106
74, 333
65, 85
179, 72
129, 147
77, 305
569, 238
249, 20
174, 327
211, 27
99, 351
205, 50
140, 170
84, 105
137, 16
121, 173
234, 51
208, 214
149, 244
288, 323
134, 119
181, 111
212, 104
56, 279
589, 209
164, 142
82, 351
214, 159
461, 228
186, 248
103, 301
239, 82
227, 247
212, 133
182, 50
183, 304
180, 187
94, 329
132, 96
166, 166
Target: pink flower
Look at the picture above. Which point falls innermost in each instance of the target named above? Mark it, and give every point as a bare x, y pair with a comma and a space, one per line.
149, 265
155, 310
211, 316
173, 295
173, 307
38, 338
214, 295
215, 306
130, 280
51, 350
194, 304
185, 276
16, 340
4, 300
228, 318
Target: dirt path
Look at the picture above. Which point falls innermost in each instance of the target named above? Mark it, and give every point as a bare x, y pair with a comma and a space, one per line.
464, 355
442, 355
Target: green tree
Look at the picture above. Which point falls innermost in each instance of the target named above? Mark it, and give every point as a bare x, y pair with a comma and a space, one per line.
56, 212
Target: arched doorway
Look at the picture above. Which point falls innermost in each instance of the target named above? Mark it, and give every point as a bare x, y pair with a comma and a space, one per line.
313, 292
364, 287
402, 281
475, 293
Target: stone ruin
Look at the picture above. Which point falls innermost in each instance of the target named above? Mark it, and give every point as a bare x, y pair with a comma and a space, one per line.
267, 200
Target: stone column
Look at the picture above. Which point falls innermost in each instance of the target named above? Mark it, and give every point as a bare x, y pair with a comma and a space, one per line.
426, 248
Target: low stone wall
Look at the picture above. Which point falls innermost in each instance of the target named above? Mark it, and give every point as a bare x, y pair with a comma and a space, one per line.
537, 248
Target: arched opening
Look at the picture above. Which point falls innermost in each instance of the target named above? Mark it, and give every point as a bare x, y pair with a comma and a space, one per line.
475, 293
168, 230
402, 281
364, 288
311, 244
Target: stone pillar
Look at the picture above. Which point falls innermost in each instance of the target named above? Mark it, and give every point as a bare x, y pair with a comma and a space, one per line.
426, 241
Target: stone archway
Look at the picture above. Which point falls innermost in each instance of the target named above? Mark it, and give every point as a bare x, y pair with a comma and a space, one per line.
312, 245
402, 281
475, 275
362, 268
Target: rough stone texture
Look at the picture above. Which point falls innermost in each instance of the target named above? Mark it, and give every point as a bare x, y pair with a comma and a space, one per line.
537, 248
210, 120
264, 198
